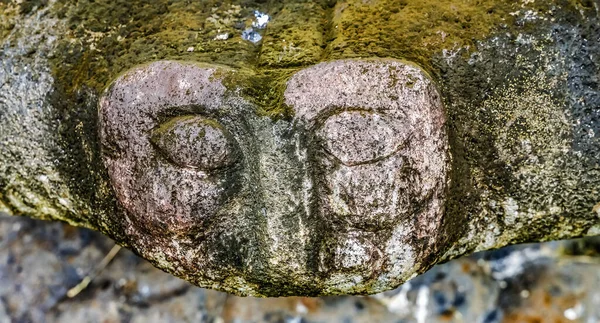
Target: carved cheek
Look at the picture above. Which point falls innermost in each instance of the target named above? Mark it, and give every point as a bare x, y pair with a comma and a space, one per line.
167, 172
173, 186
368, 195
365, 186
178, 184
169, 199
356, 251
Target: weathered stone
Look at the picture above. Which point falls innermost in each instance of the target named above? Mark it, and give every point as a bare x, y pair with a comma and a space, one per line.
313, 201
347, 173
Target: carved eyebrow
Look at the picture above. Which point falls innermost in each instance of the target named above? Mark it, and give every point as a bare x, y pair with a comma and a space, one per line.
378, 86
150, 90
325, 113
137, 101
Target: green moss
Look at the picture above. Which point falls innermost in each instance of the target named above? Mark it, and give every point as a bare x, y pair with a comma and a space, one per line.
413, 29
3, 207
27, 6
9, 11
296, 36
264, 88
107, 37
36, 198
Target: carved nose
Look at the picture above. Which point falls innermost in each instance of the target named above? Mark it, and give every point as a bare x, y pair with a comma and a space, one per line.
286, 194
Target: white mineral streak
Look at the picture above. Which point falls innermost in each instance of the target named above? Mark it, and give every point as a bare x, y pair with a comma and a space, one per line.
261, 20
306, 189
401, 255
223, 36
250, 35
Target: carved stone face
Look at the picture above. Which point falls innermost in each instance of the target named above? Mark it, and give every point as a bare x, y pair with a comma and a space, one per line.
345, 197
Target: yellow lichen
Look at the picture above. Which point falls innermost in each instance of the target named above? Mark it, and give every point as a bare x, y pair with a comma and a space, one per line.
413, 29
8, 13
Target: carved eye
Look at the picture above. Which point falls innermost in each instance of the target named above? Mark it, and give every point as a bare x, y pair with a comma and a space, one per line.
359, 137
194, 142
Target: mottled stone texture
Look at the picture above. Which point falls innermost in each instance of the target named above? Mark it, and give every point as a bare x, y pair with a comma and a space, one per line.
346, 197
315, 161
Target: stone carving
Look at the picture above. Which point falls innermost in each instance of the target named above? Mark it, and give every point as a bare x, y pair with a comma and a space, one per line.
296, 163
343, 198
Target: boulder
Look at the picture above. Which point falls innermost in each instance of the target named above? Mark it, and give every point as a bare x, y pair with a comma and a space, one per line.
303, 148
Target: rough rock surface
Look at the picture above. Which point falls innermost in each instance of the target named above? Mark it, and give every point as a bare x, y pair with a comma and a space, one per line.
345, 197
292, 204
